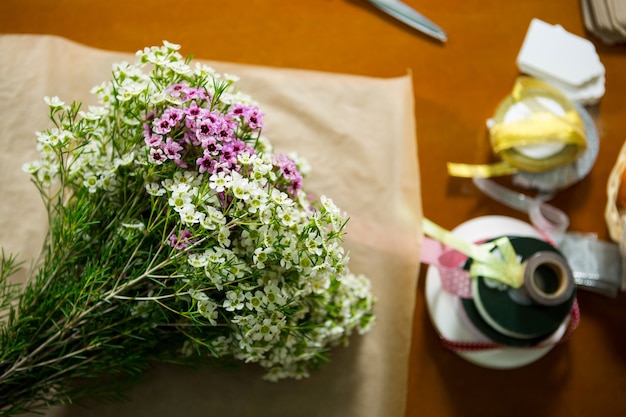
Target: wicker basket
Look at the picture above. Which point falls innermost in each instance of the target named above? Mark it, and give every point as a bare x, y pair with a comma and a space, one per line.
614, 215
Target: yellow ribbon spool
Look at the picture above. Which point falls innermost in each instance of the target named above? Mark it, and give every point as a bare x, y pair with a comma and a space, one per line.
542, 126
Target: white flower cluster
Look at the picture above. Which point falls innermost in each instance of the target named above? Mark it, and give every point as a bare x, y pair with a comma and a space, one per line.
250, 257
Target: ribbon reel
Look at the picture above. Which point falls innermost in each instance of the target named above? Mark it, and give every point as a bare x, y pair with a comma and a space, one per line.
515, 290
535, 129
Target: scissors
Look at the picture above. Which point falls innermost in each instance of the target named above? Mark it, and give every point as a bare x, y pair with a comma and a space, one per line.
411, 17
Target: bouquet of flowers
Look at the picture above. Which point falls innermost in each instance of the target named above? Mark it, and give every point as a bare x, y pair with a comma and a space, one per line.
175, 234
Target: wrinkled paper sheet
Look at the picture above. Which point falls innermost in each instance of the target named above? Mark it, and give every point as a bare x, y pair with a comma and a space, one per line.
358, 134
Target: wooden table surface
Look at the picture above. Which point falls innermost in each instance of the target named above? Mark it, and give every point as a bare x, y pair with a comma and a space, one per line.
456, 87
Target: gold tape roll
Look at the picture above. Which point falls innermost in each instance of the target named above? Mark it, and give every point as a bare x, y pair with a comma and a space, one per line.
548, 289
564, 130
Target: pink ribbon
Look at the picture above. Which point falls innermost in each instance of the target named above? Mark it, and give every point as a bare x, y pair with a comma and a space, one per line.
449, 262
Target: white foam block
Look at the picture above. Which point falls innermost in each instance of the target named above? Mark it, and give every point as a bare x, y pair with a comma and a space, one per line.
551, 51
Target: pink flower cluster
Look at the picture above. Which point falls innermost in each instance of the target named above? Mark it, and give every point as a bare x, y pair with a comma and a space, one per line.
288, 171
194, 135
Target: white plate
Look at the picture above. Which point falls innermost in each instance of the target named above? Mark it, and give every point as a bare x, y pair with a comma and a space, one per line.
448, 316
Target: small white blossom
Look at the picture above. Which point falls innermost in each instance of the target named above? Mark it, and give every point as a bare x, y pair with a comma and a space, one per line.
124, 160
223, 236
241, 189
171, 46
245, 159
203, 70
133, 228
154, 189
31, 167
92, 182
179, 67
267, 330
54, 102
198, 260
231, 77
260, 257
274, 296
219, 182
256, 300
215, 255
234, 301
288, 216
95, 113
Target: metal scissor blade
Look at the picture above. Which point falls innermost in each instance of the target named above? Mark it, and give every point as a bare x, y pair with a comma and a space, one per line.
411, 17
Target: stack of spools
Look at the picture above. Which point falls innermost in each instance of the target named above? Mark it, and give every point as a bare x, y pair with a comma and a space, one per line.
494, 322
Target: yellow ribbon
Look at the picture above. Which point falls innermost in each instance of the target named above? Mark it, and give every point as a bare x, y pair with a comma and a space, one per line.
540, 127
506, 269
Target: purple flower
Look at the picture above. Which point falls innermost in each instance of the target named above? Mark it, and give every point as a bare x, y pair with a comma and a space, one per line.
296, 185
181, 241
173, 115
255, 119
286, 165
228, 155
147, 130
250, 115
153, 140
157, 156
205, 129
196, 93
238, 146
194, 112
225, 129
177, 90
211, 146
289, 171
205, 163
220, 167
181, 164
191, 138
238, 110
162, 126
230, 152
172, 149
190, 134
